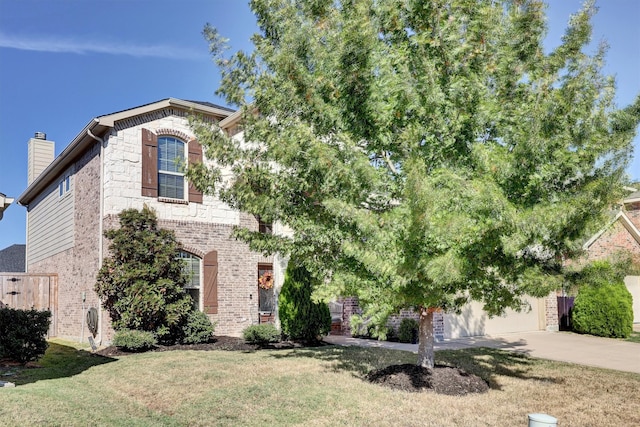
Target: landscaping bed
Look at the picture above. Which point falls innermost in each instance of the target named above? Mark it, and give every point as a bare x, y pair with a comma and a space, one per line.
406, 377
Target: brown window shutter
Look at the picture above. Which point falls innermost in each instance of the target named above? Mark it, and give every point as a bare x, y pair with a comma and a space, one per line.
195, 156
211, 283
149, 163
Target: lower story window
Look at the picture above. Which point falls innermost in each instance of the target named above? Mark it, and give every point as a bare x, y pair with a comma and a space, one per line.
192, 265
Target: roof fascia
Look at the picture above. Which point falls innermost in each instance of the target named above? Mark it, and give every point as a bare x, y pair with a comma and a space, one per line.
111, 119
231, 120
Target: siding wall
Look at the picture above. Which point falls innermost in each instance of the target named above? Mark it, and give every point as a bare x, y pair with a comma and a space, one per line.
77, 265
50, 222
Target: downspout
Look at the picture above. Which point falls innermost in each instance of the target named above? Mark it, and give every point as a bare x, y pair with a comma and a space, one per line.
100, 227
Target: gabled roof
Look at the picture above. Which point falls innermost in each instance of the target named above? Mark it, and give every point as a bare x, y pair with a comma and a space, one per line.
99, 126
624, 220
4, 203
12, 259
632, 198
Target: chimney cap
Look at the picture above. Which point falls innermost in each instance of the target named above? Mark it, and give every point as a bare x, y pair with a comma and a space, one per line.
40, 135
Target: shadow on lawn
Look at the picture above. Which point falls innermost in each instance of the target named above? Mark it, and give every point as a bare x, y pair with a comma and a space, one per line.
487, 363
59, 361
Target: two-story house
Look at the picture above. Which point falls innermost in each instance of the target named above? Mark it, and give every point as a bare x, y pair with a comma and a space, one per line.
129, 159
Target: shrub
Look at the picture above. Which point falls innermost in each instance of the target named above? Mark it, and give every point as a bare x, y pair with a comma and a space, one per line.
23, 334
263, 333
408, 330
198, 328
134, 340
361, 327
142, 283
603, 306
300, 317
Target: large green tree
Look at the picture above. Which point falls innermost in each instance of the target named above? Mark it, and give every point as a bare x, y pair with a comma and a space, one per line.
424, 153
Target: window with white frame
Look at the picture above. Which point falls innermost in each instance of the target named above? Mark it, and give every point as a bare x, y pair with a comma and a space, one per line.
64, 186
192, 268
171, 160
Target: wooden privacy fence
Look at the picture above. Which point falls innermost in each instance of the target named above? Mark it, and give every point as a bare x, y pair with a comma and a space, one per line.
26, 291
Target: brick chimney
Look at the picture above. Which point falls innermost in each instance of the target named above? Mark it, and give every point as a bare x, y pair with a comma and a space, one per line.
41, 154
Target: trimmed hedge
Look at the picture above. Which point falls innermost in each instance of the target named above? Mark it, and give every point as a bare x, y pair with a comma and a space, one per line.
604, 305
134, 340
263, 333
198, 328
23, 334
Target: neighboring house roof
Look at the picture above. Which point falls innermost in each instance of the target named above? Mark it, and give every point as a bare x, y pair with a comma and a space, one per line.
632, 198
12, 259
4, 203
98, 127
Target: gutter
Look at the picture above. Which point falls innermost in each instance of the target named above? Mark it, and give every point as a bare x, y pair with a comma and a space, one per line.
100, 226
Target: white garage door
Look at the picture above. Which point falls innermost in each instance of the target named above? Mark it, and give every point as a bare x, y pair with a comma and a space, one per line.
473, 321
633, 284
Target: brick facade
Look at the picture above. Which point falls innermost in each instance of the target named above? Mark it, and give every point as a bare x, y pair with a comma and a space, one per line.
615, 239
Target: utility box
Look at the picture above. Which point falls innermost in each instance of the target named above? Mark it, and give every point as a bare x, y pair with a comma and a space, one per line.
542, 420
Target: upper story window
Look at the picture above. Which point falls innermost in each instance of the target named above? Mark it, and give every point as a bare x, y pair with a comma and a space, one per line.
64, 186
163, 165
264, 227
171, 160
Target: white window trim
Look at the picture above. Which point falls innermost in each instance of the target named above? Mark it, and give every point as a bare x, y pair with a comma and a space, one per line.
185, 156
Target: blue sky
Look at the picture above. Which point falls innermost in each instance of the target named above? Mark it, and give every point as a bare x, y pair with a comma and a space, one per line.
64, 62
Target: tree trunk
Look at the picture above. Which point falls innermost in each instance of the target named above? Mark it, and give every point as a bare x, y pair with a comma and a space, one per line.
426, 338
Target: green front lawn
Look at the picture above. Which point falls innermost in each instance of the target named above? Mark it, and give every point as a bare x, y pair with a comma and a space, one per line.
318, 386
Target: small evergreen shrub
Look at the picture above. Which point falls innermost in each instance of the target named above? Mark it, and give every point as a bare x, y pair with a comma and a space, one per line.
263, 333
198, 328
392, 334
302, 318
604, 305
408, 331
23, 334
134, 340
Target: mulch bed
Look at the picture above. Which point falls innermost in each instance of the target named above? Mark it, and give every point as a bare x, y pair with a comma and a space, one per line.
218, 343
442, 379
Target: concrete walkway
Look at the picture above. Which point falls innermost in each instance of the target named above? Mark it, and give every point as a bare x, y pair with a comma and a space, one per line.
561, 346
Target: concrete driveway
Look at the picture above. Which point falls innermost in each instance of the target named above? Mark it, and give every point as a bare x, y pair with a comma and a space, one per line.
562, 346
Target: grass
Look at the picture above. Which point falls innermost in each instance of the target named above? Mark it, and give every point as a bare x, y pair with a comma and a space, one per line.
634, 337
316, 387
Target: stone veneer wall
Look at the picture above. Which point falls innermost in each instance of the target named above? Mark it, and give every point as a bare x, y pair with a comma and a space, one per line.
77, 267
123, 175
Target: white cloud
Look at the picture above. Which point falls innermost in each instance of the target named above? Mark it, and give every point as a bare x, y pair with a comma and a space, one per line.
59, 45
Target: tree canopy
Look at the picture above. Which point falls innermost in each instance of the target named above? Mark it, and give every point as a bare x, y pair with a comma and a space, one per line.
423, 153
